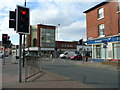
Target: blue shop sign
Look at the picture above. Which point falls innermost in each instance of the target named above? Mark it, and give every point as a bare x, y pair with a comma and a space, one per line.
109, 39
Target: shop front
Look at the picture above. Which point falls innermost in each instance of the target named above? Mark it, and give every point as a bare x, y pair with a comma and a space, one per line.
102, 50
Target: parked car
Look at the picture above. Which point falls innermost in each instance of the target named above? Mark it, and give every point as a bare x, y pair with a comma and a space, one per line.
1, 54
66, 54
76, 57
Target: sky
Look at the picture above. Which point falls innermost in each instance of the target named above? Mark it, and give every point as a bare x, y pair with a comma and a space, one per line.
68, 13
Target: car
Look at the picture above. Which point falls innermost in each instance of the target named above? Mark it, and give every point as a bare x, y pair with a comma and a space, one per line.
1, 54
66, 55
76, 57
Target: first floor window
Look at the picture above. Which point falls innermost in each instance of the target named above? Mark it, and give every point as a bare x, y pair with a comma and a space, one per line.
101, 29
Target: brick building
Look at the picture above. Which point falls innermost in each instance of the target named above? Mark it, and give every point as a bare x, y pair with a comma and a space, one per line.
42, 37
103, 30
66, 45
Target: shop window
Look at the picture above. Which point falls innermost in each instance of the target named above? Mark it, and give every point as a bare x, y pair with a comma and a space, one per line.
116, 51
98, 51
101, 29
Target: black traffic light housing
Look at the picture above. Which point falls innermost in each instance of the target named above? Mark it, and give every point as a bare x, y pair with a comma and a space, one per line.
12, 19
4, 39
22, 20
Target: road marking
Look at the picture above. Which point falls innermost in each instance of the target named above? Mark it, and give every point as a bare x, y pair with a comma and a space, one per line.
64, 61
53, 60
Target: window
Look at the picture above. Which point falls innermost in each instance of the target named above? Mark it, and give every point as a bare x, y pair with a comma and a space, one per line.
98, 51
34, 42
119, 25
101, 29
100, 13
119, 5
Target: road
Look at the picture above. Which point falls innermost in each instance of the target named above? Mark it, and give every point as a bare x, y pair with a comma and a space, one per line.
97, 77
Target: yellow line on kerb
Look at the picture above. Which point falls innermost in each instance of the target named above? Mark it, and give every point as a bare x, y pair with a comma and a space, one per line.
53, 60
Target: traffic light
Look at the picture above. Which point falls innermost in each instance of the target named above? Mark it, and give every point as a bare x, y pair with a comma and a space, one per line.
8, 41
23, 20
81, 42
4, 39
12, 19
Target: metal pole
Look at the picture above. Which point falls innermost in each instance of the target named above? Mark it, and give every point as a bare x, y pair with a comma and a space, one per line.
24, 46
25, 3
4, 56
24, 50
82, 50
105, 53
40, 58
20, 50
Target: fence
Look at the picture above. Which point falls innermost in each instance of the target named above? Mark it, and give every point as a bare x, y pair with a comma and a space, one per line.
32, 66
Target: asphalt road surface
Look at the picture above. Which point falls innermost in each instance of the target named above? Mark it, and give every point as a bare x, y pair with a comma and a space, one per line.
97, 77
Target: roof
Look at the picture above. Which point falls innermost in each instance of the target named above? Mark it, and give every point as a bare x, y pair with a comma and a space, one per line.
98, 5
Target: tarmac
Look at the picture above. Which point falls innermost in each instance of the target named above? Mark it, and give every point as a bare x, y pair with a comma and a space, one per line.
45, 79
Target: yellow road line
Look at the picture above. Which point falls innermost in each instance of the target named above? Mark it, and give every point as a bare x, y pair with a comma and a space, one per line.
53, 60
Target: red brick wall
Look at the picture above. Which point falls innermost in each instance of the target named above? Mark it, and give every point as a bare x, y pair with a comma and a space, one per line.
60, 43
38, 36
110, 20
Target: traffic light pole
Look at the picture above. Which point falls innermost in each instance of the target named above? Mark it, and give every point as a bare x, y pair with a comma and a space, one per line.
20, 51
4, 56
24, 45
83, 51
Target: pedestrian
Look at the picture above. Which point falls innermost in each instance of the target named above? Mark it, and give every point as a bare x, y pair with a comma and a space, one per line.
87, 55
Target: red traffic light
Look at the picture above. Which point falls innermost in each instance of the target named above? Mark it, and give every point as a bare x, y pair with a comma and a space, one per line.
4, 36
24, 12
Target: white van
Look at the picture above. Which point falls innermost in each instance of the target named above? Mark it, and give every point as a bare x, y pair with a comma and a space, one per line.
67, 54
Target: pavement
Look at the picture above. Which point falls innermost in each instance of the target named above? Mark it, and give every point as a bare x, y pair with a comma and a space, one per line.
45, 79
96, 65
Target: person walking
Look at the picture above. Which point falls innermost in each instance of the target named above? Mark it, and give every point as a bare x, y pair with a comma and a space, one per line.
87, 55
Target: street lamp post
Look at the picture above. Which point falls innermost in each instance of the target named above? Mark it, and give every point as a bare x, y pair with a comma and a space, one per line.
57, 37
58, 32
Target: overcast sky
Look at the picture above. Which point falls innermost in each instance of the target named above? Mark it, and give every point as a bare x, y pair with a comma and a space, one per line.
68, 13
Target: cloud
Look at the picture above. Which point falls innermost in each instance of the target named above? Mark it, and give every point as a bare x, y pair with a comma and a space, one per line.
75, 31
69, 15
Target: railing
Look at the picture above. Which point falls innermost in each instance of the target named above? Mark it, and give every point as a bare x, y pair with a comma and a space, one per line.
32, 66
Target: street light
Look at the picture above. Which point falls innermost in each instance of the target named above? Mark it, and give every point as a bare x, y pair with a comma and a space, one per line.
57, 37
56, 40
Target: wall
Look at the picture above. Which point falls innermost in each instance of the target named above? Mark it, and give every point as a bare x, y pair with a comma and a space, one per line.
110, 20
